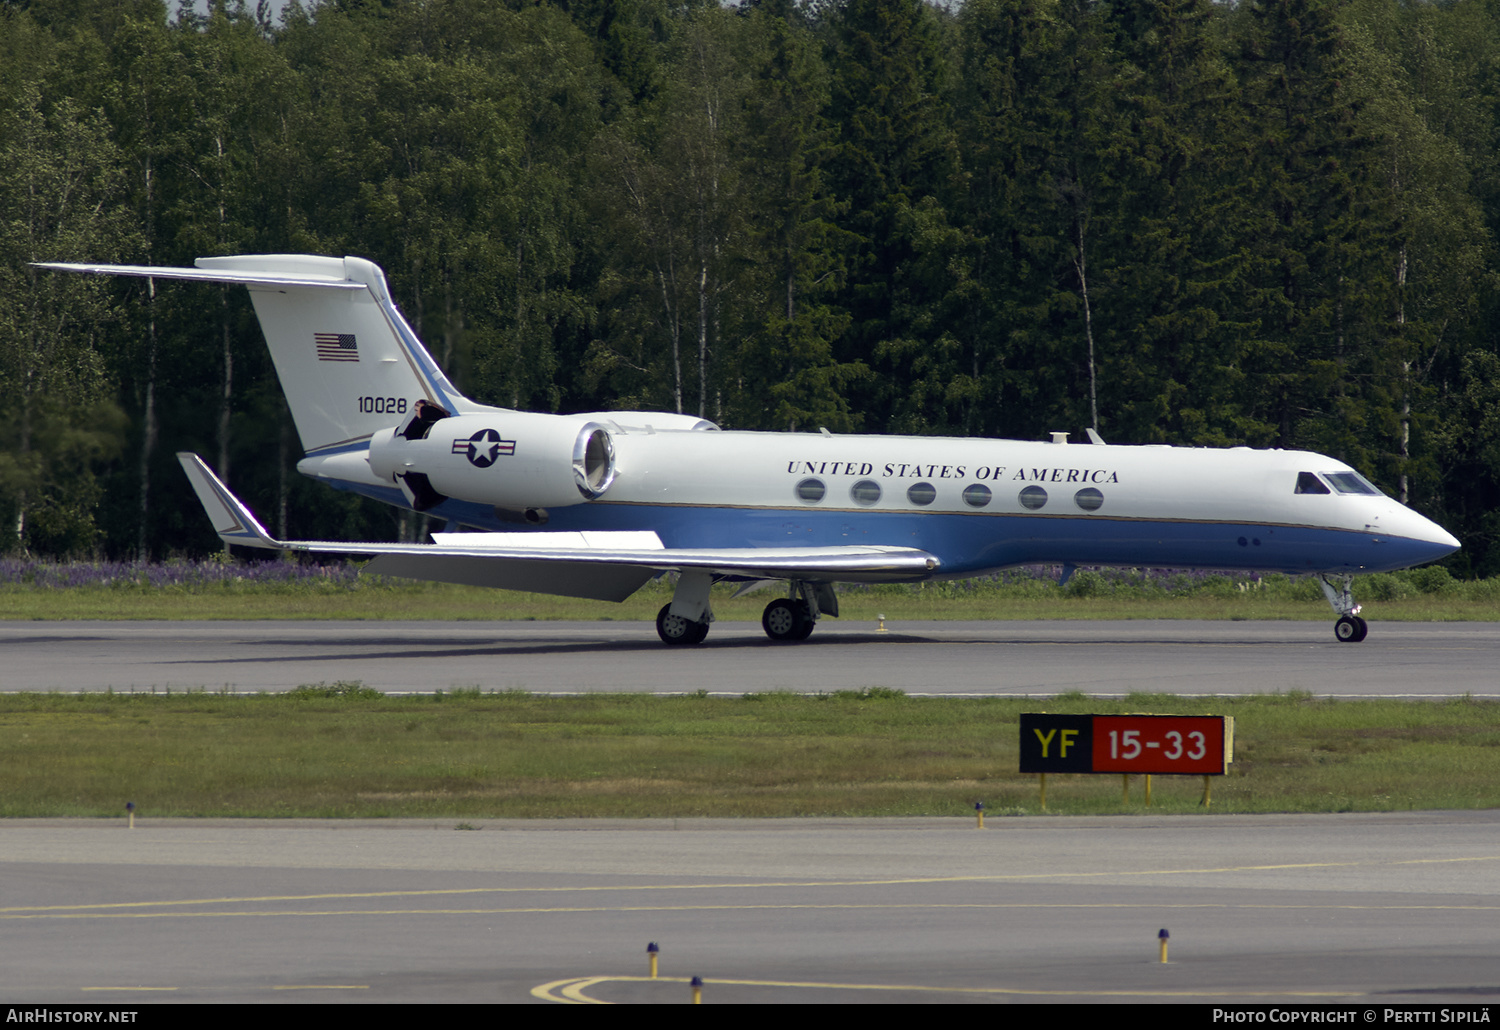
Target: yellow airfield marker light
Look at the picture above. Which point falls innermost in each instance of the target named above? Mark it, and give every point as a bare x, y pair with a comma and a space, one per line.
1162, 937
697, 990
130, 815
1148, 790
881, 628
651, 952
979, 811
1205, 802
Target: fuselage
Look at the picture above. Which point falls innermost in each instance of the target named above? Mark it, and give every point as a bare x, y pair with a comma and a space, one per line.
976, 504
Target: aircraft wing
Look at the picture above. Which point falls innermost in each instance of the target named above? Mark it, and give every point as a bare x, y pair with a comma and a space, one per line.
604, 566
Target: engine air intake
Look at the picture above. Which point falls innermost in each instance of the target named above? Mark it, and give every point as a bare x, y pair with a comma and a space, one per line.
593, 460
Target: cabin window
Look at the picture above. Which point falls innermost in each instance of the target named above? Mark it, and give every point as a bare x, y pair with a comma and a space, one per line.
1350, 483
865, 492
1033, 497
811, 491
976, 495
1307, 483
921, 494
1089, 499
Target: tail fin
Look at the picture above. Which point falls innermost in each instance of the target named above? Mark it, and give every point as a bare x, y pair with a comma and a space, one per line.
348, 362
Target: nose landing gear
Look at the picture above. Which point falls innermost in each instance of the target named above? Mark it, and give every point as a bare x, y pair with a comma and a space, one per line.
1350, 629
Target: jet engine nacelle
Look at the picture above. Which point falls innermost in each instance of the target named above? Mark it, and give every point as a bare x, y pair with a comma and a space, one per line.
518, 461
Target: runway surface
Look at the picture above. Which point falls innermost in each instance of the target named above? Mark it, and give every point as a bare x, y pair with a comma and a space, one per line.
1012, 658
1361, 911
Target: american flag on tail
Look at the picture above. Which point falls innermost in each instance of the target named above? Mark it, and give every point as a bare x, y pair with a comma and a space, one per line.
336, 346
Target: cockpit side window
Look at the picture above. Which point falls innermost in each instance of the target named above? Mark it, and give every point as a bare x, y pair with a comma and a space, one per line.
1307, 483
1350, 483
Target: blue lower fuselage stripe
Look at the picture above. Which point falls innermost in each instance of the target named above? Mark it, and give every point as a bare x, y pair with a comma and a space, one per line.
966, 544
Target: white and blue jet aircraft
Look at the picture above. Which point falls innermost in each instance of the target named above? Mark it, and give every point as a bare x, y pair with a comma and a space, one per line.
594, 505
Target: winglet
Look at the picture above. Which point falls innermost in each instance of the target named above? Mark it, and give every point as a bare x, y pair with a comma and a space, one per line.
232, 520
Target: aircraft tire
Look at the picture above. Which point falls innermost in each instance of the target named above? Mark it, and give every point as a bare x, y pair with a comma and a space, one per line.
1347, 630
1364, 628
675, 630
808, 623
784, 619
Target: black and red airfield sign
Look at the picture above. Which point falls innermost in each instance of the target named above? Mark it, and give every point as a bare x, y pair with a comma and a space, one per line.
1181, 745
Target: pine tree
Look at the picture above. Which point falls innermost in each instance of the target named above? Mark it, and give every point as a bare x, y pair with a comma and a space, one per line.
1008, 118
895, 166
1317, 272
61, 198
1172, 329
787, 375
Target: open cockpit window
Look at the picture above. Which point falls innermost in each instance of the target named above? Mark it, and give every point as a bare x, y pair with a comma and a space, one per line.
1307, 483
1350, 483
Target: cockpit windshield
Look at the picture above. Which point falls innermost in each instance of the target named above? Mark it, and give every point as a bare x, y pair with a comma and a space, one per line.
1307, 483
1350, 483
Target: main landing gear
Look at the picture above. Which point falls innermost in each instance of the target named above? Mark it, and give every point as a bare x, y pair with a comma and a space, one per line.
792, 618
1350, 629
674, 629
690, 621
786, 619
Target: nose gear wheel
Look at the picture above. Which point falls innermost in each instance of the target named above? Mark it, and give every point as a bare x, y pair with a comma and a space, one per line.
1351, 629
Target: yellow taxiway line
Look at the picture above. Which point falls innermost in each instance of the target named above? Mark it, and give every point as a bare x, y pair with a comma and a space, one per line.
117, 909
571, 991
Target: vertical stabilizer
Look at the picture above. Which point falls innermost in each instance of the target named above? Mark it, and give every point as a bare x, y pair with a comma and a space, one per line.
348, 362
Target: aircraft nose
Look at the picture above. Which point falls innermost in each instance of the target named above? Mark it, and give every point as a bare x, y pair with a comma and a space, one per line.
1435, 541
1443, 538
1407, 538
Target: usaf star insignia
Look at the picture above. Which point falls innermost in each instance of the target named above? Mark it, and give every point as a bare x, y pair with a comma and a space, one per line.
484, 447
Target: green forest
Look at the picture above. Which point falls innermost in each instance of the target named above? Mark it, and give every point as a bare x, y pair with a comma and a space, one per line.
1265, 222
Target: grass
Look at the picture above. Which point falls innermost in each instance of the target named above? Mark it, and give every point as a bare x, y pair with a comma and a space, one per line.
82, 591
343, 750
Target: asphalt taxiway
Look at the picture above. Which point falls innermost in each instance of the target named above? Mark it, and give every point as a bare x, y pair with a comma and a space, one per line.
1014, 658
1358, 911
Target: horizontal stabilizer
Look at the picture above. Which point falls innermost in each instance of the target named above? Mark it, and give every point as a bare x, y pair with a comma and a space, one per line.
605, 566
211, 275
